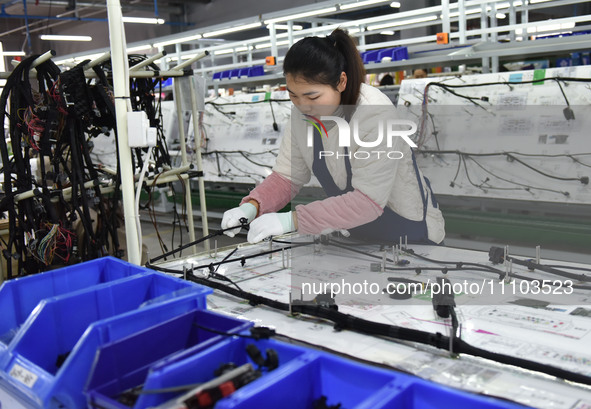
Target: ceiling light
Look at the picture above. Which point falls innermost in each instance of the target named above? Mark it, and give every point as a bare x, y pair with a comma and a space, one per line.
231, 50
301, 15
14, 53
401, 23
268, 45
295, 27
471, 11
231, 30
387, 33
550, 27
139, 47
395, 5
179, 40
507, 5
361, 4
500, 16
64, 38
538, 1
143, 20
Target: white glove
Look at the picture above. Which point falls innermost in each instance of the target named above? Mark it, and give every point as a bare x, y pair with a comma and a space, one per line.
343, 232
232, 218
270, 224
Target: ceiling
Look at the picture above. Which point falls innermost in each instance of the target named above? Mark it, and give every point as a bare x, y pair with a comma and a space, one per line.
35, 17
90, 18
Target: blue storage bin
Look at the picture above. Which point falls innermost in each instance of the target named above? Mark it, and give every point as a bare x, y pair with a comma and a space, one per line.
395, 54
201, 366
338, 380
243, 72
235, 73
124, 364
20, 296
225, 74
421, 394
256, 71
49, 359
370, 56
217, 75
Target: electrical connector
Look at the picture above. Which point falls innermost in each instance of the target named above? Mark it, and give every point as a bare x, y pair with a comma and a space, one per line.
140, 135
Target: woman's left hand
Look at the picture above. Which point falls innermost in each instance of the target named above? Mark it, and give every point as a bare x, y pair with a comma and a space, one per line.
270, 224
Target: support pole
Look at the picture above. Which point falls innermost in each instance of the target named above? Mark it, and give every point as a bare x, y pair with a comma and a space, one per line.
184, 161
445, 24
462, 21
105, 57
201, 182
148, 61
121, 91
182, 140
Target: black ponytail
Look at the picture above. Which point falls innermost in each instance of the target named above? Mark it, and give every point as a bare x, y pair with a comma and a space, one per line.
321, 60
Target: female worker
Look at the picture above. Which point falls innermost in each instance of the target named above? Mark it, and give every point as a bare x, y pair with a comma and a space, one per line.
379, 197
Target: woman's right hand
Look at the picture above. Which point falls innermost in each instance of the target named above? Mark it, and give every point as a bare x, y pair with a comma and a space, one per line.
232, 218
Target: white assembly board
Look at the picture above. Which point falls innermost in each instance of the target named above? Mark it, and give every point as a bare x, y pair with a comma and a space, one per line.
520, 322
241, 142
511, 141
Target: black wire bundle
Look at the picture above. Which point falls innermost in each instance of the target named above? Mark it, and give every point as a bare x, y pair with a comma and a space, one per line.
349, 322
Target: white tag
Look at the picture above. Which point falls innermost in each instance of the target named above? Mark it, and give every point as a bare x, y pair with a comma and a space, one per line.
23, 375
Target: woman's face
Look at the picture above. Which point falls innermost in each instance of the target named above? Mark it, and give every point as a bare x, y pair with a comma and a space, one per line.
314, 99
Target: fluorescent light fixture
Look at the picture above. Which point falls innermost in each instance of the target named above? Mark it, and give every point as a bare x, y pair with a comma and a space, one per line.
507, 5
538, 1
139, 48
401, 23
354, 30
500, 16
268, 45
301, 15
395, 4
361, 4
13, 53
471, 11
51, 37
387, 33
179, 40
550, 34
231, 30
143, 20
544, 28
295, 27
230, 51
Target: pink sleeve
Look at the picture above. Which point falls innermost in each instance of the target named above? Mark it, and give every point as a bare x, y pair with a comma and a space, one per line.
338, 212
273, 193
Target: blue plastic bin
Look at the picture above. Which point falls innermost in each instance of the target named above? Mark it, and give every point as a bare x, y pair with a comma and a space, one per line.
422, 394
20, 296
395, 54
217, 75
124, 364
54, 349
338, 380
243, 72
370, 56
235, 73
256, 71
201, 366
225, 74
